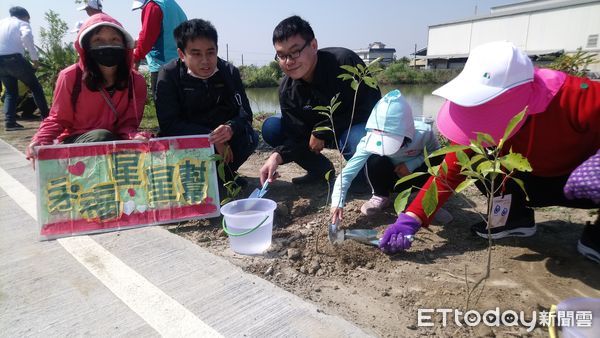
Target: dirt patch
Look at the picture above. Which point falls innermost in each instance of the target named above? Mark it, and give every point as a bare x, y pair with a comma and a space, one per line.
381, 293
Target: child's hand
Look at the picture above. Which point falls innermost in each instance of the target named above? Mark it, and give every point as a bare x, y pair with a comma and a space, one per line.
337, 214
401, 170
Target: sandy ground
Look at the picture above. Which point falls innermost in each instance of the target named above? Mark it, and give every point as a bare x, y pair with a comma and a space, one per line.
381, 293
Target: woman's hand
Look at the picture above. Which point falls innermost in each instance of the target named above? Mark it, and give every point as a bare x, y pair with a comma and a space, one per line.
30, 153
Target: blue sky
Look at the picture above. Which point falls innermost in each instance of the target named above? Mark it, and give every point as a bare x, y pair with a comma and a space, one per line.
246, 26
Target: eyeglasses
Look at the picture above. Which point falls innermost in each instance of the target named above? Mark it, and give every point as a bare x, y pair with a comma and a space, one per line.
292, 55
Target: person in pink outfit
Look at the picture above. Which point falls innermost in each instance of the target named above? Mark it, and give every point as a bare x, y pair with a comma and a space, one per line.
101, 97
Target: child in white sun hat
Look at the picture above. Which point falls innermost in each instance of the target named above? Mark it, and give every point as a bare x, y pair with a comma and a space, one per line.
560, 131
392, 148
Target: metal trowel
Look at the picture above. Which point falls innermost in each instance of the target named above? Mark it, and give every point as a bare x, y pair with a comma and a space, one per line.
365, 236
259, 193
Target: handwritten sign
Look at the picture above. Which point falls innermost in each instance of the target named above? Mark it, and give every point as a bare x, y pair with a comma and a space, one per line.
106, 186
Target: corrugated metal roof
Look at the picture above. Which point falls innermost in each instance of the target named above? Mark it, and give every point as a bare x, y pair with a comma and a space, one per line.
541, 7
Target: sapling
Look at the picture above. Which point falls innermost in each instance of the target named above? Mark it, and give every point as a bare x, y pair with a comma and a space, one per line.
488, 165
356, 75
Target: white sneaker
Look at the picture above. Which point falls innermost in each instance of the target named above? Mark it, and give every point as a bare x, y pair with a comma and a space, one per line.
374, 205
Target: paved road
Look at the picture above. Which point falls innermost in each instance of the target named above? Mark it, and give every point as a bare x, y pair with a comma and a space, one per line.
141, 282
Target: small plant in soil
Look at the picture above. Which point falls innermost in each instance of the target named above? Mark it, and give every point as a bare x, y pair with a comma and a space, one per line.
486, 163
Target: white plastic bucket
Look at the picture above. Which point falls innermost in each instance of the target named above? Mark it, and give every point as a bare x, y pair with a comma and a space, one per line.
249, 224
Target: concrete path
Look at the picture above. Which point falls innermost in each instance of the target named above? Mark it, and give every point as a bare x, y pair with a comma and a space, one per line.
141, 282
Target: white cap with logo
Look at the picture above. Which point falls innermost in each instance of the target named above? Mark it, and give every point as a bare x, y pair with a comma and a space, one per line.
491, 70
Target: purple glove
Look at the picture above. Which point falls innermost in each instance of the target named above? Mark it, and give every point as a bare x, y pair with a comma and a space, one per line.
584, 181
395, 236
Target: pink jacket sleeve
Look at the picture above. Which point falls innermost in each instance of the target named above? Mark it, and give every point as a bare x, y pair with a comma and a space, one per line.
128, 125
61, 113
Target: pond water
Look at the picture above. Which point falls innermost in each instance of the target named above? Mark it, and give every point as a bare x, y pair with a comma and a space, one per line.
418, 96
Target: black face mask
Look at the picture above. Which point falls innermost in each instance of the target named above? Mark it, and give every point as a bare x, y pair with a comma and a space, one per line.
108, 55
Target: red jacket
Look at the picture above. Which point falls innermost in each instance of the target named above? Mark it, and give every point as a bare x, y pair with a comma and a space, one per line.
152, 17
555, 141
91, 110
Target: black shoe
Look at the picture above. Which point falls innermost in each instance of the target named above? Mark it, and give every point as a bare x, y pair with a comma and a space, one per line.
589, 244
523, 226
13, 126
29, 117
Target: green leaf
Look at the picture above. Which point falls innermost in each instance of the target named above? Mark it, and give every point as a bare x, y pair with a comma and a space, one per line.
225, 200
335, 106
485, 165
369, 81
447, 149
485, 139
361, 68
350, 69
321, 108
221, 171
401, 200
317, 129
334, 99
515, 161
430, 200
375, 63
476, 159
512, 125
465, 184
471, 173
354, 85
328, 174
215, 157
426, 157
444, 167
433, 171
477, 148
463, 159
345, 77
325, 114
522, 185
236, 191
408, 177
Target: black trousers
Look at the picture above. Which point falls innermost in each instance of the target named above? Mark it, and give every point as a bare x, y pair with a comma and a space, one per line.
380, 171
542, 191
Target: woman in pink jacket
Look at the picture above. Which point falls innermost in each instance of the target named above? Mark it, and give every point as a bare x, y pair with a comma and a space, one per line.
101, 97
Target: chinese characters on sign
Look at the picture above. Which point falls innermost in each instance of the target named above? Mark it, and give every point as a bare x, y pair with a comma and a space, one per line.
105, 186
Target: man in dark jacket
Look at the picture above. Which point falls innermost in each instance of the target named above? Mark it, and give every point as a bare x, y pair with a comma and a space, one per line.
312, 80
202, 94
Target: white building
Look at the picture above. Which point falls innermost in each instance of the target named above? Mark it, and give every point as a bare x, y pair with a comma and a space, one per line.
375, 50
538, 27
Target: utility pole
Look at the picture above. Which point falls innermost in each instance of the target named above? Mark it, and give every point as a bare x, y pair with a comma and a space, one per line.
415, 59
242, 59
227, 51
